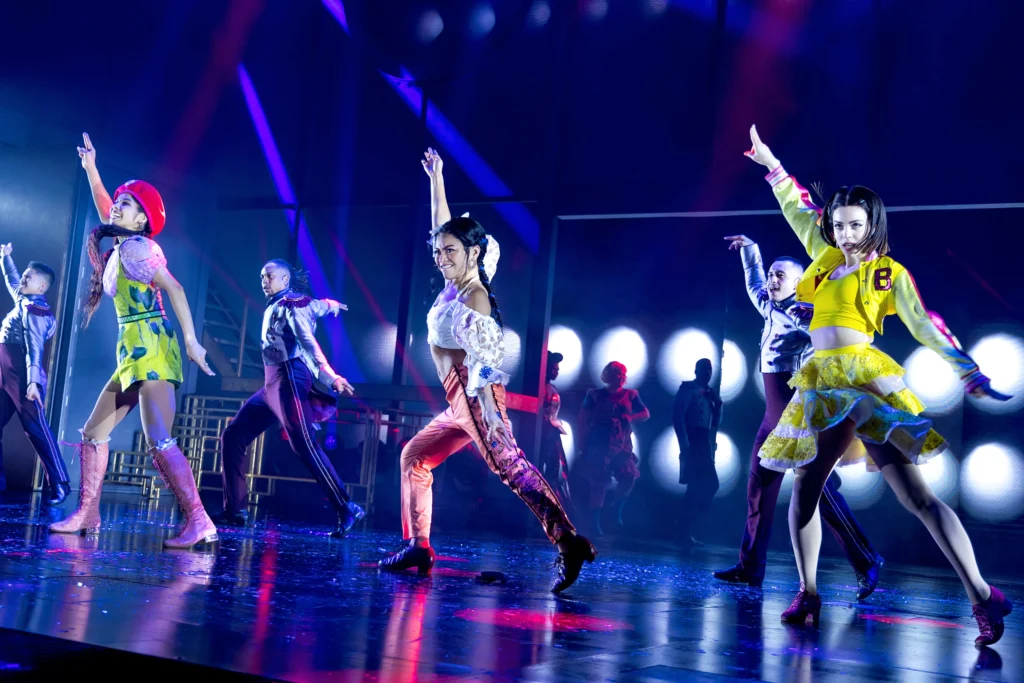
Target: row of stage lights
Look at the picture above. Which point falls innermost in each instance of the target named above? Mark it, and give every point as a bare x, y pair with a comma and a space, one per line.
989, 483
482, 18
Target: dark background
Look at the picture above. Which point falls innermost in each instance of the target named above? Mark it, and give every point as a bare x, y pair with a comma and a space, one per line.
641, 108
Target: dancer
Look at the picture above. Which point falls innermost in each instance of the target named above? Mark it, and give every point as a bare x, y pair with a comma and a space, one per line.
292, 360
552, 462
696, 414
133, 273
785, 345
465, 337
849, 389
606, 442
23, 335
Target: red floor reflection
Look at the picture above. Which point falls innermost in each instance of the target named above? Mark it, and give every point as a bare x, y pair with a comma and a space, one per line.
912, 621
536, 620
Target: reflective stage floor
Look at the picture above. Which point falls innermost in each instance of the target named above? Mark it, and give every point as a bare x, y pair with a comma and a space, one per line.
288, 603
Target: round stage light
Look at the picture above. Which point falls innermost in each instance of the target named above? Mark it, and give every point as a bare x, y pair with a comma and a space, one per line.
513, 347
680, 353
563, 340
861, 488
942, 475
664, 463
539, 14
992, 483
568, 443
430, 26
734, 371
759, 382
1001, 358
933, 380
481, 21
622, 344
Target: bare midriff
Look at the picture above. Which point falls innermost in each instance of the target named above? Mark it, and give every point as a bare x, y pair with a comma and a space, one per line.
828, 338
446, 359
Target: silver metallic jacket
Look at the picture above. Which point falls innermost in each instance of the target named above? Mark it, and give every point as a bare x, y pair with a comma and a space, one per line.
788, 319
28, 326
289, 331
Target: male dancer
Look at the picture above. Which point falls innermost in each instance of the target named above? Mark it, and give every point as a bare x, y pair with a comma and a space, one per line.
23, 335
785, 345
696, 414
292, 360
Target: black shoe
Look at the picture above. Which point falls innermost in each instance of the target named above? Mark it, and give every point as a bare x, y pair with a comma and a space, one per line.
347, 520
867, 581
407, 558
738, 574
231, 518
60, 493
570, 562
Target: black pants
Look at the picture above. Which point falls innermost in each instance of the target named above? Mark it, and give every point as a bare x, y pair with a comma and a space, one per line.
697, 471
284, 400
763, 493
12, 400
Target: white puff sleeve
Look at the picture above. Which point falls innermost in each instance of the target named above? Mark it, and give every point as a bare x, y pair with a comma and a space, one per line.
482, 340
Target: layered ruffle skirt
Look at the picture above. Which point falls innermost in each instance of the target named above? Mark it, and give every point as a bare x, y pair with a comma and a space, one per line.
859, 383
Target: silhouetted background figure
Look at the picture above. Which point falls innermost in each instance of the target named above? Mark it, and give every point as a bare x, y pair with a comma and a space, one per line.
605, 423
696, 414
552, 462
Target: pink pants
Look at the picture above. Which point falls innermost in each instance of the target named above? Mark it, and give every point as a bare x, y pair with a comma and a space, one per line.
461, 423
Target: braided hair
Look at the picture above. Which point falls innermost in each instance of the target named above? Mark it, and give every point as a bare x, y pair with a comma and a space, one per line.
298, 280
99, 259
472, 234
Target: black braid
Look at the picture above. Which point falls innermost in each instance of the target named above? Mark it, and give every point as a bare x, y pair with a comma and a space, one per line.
486, 281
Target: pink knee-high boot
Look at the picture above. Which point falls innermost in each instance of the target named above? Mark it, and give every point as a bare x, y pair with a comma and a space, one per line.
177, 475
85, 519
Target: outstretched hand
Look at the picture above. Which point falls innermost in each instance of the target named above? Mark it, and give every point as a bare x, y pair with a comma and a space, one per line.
432, 163
342, 386
6, 249
760, 153
737, 242
197, 354
986, 390
335, 307
87, 153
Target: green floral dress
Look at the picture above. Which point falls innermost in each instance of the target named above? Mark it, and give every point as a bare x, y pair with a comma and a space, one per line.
147, 346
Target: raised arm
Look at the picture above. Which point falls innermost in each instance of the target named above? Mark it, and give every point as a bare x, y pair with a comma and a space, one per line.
803, 215
11, 275
439, 212
100, 196
753, 269
930, 329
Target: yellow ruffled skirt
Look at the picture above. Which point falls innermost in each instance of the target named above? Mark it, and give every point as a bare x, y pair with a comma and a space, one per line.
856, 382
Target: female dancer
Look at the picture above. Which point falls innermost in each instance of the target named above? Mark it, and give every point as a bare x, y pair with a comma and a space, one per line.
606, 446
464, 333
849, 389
148, 358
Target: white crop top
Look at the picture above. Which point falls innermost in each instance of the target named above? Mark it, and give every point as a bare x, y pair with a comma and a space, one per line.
451, 324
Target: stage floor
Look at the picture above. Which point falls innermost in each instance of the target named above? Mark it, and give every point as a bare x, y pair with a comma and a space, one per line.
287, 603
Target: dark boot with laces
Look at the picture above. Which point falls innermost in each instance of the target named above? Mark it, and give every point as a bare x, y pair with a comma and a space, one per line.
409, 557
989, 615
570, 562
868, 581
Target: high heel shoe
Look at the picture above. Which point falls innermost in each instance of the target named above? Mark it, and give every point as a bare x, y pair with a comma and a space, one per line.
803, 604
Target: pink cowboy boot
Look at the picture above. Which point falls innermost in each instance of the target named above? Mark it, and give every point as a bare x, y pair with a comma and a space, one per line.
177, 475
86, 518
